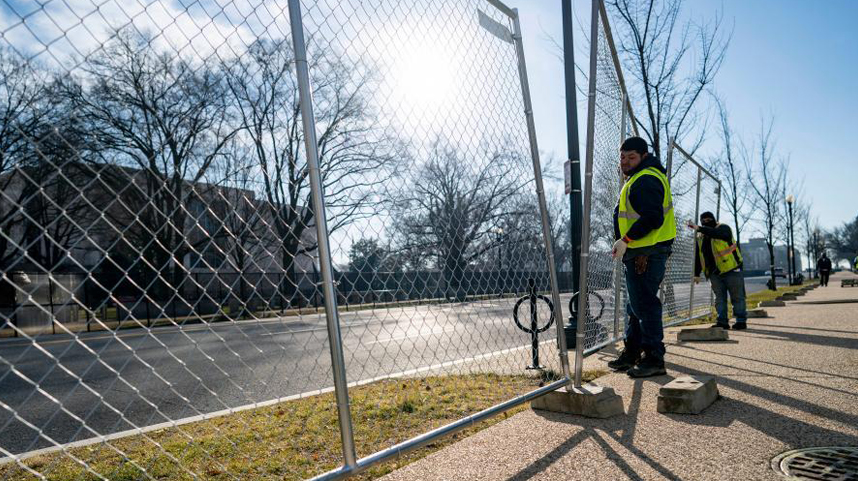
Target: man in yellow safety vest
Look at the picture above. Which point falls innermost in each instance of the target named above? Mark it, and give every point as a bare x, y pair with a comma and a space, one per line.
644, 229
718, 256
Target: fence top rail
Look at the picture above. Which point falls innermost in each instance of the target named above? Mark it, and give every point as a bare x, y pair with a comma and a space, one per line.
695, 162
503, 8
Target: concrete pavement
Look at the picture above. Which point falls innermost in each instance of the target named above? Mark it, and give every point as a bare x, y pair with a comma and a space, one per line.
787, 382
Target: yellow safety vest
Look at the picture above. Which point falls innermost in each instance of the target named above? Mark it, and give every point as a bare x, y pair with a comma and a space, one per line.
727, 255
626, 217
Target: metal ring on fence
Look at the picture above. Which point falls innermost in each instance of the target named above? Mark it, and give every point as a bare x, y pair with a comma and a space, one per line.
527, 298
573, 305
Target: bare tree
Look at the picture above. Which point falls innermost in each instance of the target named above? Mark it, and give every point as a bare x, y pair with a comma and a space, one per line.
672, 62
451, 207
844, 240
357, 157
766, 182
162, 121
23, 106
736, 194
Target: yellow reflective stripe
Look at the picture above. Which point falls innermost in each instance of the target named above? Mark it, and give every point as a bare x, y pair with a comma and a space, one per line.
726, 251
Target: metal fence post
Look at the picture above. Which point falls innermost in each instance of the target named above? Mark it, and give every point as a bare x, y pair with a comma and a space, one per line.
588, 193
694, 242
325, 264
618, 264
540, 193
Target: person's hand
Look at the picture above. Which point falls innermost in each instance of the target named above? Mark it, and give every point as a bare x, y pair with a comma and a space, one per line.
692, 225
619, 248
697, 280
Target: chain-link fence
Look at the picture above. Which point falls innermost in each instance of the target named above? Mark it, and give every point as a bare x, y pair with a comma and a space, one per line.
610, 120
220, 210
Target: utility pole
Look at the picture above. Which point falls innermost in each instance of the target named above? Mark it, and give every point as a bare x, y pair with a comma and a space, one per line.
573, 164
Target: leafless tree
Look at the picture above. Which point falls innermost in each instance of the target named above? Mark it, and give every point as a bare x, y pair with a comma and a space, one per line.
735, 183
766, 178
23, 106
453, 204
357, 156
844, 241
672, 64
166, 119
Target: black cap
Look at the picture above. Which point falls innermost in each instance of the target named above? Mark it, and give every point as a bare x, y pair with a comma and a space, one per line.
636, 144
706, 215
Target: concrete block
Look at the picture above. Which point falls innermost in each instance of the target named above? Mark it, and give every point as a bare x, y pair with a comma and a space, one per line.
687, 395
755, 313
590, 400
772, 304
705, 334
787, 297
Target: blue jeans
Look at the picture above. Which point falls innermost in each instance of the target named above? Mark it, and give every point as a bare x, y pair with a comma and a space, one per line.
644, 329
733, 283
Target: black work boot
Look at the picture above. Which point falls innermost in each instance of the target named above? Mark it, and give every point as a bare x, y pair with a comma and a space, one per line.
628, 358
722, 325
740, 325
648, 366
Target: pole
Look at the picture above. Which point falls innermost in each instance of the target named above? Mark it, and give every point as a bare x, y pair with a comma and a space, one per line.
694, 243
588, 193
540, 192
572, 141
618, 263
324, 249
792, 246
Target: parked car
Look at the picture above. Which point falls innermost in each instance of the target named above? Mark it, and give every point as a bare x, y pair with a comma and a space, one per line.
779, 272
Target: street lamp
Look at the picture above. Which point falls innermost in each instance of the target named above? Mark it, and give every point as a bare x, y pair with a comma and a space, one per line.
815, 252
790, 200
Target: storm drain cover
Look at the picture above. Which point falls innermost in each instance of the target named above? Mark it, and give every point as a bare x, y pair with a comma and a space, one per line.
830, 463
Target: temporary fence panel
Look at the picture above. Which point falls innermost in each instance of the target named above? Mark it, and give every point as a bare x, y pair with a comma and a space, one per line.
610, 120
456, 185
187, 233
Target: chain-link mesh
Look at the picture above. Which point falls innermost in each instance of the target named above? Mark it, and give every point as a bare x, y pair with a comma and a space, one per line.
604, 274
158, 245
451, 233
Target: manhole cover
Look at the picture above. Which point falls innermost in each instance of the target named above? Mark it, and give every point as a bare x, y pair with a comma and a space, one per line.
830, 464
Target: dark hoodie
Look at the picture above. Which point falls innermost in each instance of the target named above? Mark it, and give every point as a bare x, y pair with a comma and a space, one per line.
647, 197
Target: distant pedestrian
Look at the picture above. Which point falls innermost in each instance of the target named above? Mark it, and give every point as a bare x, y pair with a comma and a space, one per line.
718, 257
855, 264
823, 265
644, 229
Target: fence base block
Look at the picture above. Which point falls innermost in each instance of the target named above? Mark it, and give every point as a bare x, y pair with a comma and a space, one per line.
757, 313
687, 395
705, 334
590, 400
772, 304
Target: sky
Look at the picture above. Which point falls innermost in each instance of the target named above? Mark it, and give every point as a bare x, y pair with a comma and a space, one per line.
794, 60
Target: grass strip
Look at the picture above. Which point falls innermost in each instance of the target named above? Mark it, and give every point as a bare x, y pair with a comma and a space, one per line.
298, 439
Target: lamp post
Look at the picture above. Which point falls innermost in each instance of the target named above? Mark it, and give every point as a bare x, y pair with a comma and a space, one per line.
790, 200
815, 252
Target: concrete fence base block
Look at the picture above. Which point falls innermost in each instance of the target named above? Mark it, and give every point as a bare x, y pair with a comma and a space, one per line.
787, 297
772, 304
687, 395
706, 334
590, 400
755, 313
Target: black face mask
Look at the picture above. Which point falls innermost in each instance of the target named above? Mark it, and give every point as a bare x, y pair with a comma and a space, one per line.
708, 222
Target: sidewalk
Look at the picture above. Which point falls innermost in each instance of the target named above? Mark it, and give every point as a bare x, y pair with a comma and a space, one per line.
789, 381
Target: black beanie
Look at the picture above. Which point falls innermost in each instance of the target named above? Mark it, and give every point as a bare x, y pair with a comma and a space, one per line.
707, 214
636, 144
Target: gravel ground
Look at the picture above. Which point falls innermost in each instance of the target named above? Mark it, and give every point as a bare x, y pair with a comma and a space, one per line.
789, 381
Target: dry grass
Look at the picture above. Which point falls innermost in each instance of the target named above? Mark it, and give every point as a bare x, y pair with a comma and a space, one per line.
297, 439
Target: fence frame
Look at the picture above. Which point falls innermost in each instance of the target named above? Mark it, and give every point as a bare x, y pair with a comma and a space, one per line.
352, 465
599, 14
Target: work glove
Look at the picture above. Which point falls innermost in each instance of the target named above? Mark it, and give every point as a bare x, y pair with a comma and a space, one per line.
619, 249
640, 264
697, 279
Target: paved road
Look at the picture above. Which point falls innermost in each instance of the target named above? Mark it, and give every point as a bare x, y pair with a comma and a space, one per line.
136, 379
757, 284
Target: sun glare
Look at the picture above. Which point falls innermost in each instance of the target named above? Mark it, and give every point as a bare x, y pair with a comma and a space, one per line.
422, 79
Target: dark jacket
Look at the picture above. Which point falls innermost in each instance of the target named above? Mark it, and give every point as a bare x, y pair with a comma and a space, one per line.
823, 264
647, 197
720, 232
